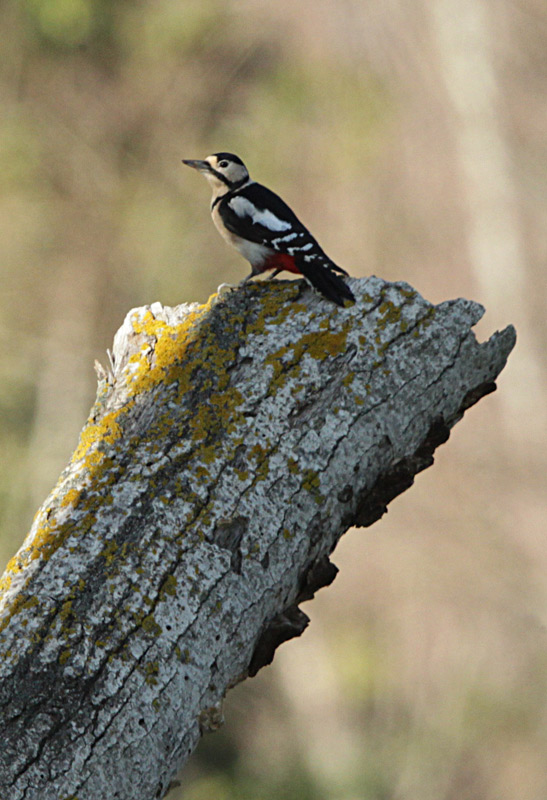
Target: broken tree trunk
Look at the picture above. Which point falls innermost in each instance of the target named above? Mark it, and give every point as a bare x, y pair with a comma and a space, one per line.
228, 450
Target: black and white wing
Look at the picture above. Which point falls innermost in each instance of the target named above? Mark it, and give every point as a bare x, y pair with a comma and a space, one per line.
259, 215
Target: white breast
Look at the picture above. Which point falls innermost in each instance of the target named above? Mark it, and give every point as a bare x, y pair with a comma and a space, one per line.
255, 253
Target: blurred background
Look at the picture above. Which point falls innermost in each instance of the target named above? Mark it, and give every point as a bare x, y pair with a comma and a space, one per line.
410, 135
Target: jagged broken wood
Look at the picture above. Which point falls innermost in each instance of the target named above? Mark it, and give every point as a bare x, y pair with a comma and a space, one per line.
228, 450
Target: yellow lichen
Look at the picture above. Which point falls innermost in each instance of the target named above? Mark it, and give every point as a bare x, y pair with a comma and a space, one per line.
104, 432
71, 497
177, 357
321, 345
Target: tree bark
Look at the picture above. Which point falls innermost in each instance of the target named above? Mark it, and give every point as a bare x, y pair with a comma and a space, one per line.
229, 448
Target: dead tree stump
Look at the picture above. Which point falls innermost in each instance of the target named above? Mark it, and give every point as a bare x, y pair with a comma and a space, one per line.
229, 448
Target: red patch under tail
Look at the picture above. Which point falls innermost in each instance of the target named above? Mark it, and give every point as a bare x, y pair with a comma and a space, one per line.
281, 261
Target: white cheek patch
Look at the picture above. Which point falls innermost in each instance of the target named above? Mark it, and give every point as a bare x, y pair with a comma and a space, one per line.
244, 208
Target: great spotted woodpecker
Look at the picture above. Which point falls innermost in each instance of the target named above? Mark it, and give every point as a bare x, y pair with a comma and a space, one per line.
263, 228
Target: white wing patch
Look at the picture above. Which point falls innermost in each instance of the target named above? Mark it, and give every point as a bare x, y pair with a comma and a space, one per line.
287, 238
243, 208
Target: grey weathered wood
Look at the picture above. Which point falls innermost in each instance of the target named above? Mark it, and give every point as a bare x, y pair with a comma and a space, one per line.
229, 448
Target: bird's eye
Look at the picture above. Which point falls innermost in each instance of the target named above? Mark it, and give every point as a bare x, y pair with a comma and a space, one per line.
223, 164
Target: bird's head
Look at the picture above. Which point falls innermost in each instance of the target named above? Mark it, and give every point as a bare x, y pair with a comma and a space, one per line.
224, 171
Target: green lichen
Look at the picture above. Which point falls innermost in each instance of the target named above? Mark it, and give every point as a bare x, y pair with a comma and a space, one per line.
109, 552
311, 483
292, 465
310, 480
151, 671
168, 587
348, 379
390, 314
427, 318
150, 626
66, 610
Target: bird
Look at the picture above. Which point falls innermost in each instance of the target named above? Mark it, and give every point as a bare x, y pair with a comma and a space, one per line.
265, 231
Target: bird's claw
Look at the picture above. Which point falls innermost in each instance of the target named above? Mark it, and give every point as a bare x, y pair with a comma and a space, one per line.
226, 287
221, 291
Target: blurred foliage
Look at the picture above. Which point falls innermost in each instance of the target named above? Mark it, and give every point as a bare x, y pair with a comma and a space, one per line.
410, 136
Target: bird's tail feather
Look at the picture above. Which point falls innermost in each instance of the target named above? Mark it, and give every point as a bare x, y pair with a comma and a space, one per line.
322, 277
336, 268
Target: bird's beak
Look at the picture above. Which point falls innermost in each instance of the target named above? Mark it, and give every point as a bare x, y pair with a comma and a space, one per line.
201, 166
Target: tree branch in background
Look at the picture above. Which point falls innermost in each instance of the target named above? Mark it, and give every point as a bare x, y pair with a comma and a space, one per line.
229, 448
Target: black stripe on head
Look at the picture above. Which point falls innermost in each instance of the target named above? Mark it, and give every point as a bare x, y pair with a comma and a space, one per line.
220, 176
229, 157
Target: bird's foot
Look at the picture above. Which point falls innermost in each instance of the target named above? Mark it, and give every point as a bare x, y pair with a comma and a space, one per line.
222, 290
226, 287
